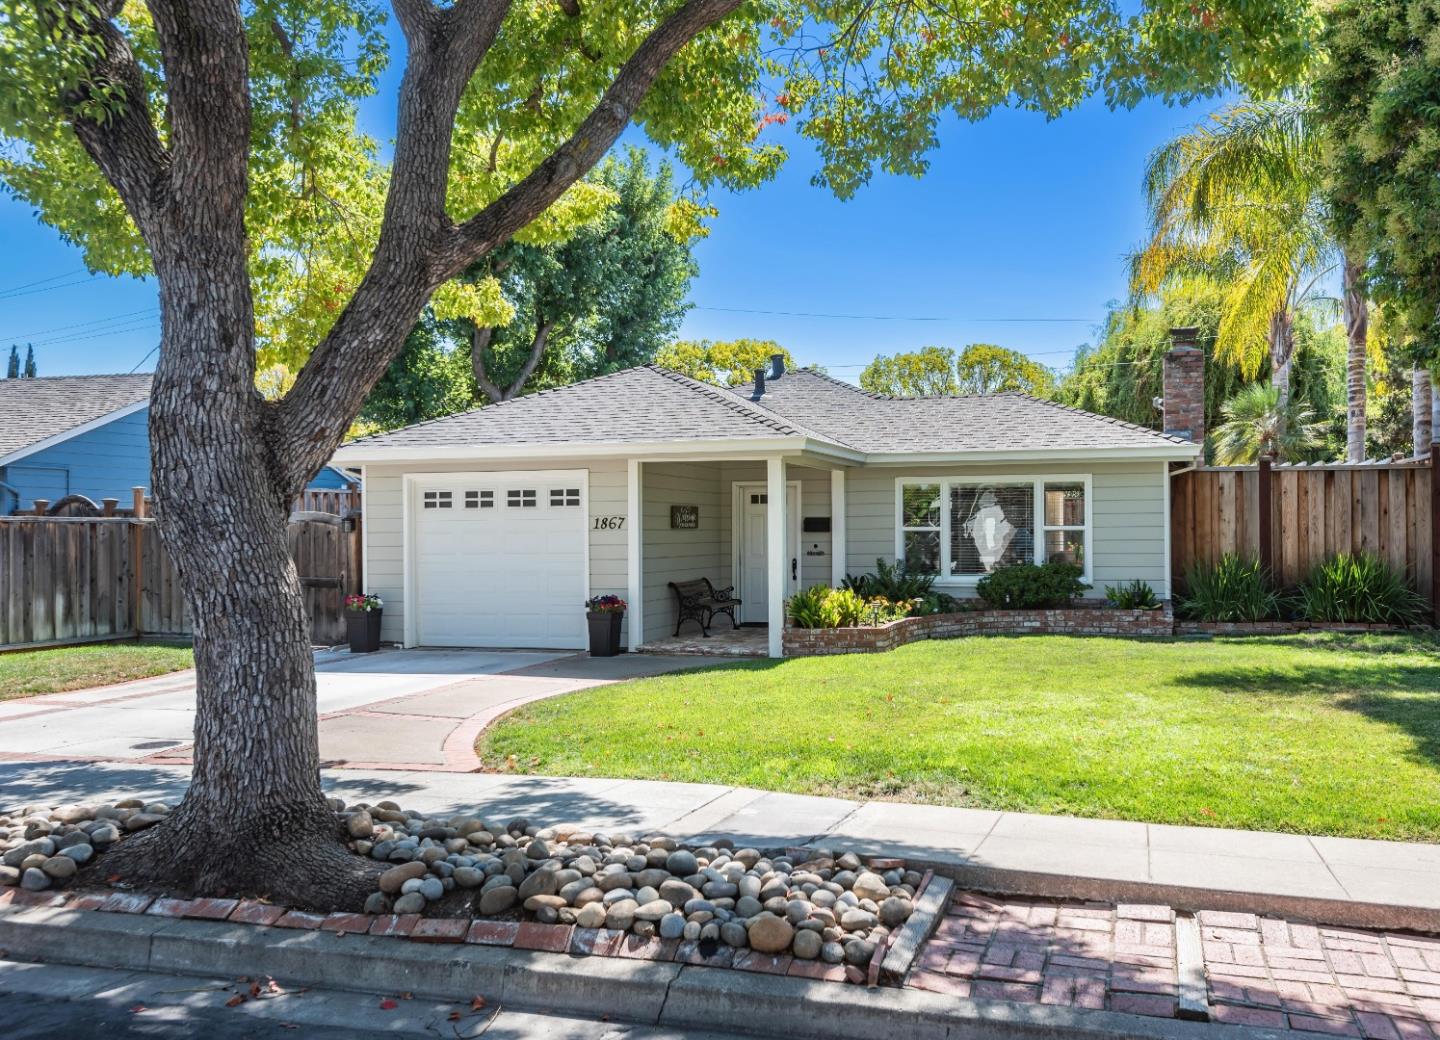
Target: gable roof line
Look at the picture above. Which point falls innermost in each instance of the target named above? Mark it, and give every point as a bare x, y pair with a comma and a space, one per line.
74, 431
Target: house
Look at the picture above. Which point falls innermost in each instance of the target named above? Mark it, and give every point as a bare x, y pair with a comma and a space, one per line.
81, 435
491, 527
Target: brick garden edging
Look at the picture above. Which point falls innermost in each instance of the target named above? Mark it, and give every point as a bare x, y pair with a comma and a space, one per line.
1075, 621
1274, 628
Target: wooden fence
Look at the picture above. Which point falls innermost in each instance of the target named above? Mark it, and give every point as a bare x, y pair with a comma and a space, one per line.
1292, 517
85, 579
339, 501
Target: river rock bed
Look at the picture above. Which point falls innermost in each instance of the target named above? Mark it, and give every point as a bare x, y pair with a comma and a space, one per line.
830, 907
826, 906
43, 847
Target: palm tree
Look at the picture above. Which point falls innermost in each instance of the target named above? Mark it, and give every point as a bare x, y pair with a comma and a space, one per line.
1256, 423
1238, 203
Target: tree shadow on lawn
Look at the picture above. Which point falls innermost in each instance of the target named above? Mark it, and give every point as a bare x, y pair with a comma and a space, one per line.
1405, 696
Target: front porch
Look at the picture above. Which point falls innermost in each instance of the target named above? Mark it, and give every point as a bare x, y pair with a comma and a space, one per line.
723, 641
764, 527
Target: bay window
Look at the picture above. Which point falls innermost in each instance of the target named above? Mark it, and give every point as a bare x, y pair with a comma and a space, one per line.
962, 528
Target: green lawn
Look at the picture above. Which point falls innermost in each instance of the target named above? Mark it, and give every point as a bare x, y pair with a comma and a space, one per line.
31, 672
1322, 734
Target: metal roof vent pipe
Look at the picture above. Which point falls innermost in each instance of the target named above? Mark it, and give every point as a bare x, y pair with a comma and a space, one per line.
777, 365
759, 385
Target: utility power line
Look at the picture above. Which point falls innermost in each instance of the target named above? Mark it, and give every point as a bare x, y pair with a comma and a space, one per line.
40, 281
114, 318
901, 317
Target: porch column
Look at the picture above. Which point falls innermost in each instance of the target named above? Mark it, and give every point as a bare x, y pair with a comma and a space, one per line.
838, 560
779, 563
634, 560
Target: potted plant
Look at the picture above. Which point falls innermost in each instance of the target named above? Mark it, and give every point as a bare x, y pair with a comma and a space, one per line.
362, 622
603, 614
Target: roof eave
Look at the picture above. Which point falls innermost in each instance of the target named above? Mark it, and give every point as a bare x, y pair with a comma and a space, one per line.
74, 431
1158, 453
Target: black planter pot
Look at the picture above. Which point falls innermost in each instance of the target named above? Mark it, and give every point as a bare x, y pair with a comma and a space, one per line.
363, 628
604, 632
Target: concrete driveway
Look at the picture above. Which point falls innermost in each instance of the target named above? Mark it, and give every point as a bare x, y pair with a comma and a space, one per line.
396, 709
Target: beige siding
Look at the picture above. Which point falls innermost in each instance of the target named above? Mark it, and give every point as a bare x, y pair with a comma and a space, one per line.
1127, 514
384, 527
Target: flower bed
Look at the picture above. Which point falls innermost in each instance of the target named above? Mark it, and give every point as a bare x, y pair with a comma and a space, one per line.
1075, 621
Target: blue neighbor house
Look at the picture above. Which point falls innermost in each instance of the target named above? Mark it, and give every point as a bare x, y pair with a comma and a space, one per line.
81, 435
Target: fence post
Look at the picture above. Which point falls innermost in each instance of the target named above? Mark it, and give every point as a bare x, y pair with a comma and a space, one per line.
1266, 503
108, 506
137, 563
42, 505
1435, 532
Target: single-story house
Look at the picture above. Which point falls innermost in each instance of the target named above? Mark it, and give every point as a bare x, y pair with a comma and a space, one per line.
491, 527
82, 435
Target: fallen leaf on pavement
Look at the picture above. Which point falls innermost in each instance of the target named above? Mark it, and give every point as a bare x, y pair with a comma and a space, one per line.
388, 1005
236, 1000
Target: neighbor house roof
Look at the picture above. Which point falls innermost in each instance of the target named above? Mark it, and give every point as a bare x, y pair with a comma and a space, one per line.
880, 425
35, 413
650, 404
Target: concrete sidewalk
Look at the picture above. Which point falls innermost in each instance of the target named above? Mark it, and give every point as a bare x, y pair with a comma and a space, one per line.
1340, 881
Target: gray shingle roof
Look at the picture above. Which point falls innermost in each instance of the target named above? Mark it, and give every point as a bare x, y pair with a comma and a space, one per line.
647, 403
876, 424
33, 410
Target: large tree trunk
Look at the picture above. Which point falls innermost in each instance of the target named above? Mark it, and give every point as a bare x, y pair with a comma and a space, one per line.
254, 820
1420, 405
1357, 322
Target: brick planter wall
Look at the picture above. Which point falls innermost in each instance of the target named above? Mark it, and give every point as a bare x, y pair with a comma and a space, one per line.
1078, 621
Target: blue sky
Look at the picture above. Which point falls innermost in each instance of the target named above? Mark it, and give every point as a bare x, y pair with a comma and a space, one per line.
1019, 219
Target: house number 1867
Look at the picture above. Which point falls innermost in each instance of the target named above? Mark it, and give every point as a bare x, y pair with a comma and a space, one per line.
609, 523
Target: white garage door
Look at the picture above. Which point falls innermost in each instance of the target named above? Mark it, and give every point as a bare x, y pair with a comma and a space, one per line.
500, 559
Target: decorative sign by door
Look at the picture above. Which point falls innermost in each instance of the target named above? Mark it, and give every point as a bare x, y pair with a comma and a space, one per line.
684, 517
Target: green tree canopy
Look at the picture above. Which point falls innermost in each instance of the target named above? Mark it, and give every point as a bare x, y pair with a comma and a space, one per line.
722, 362
980, 368
607, 297
1376, 97
1123, 373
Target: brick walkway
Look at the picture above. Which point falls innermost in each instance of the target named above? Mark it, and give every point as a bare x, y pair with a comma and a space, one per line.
1260, 971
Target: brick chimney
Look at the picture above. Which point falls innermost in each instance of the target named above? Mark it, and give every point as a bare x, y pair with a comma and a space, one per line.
1183, 403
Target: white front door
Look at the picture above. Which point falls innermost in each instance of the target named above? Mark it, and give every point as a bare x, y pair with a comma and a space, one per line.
751, 555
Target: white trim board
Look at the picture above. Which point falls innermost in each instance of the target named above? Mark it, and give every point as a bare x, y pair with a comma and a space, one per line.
74, 431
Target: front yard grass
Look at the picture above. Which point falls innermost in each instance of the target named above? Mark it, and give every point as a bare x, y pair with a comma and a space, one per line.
28, 673
1319, 734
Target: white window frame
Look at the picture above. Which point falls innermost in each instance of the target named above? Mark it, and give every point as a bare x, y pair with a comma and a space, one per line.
1038, 502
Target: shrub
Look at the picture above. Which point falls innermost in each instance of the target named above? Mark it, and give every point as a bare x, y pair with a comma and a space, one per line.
935, 603
1359, 588
890, 580
1233, 589
1137, 595
880, 611
820, 606
1031, 586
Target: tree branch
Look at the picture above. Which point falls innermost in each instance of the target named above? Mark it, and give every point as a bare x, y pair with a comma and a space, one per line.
125, 145
416, 18
480, 337
587, 145
419, 248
